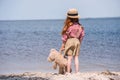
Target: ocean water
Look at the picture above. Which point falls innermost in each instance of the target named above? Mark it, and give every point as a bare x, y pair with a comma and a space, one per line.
25, 45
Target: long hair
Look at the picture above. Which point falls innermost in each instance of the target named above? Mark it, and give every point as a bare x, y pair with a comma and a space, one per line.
68, 22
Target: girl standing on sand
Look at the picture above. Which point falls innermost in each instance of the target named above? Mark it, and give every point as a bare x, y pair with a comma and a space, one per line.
72, 35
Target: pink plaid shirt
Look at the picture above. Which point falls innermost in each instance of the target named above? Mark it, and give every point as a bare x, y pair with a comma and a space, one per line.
74, 31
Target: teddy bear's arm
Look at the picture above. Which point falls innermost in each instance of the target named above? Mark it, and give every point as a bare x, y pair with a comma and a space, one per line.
55, 65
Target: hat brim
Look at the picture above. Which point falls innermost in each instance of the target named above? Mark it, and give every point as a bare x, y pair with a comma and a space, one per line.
73, 16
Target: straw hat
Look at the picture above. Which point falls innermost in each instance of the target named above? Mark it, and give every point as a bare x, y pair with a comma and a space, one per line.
72, 13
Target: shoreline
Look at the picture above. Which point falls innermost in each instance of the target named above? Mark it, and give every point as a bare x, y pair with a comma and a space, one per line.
105, 75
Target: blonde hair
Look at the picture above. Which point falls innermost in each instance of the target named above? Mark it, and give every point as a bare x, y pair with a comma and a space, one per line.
68, 22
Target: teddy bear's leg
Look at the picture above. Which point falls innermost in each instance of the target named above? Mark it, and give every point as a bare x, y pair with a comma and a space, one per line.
66, 69
70, 70
61, 70
54, 65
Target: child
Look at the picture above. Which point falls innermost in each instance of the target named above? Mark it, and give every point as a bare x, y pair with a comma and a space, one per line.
72, 35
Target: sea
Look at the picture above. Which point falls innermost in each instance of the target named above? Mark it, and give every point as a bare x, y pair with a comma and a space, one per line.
25, 45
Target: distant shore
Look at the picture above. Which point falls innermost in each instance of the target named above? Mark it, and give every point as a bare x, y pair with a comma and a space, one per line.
106, 75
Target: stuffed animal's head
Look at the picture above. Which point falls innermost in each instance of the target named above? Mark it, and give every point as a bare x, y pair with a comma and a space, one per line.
52, 55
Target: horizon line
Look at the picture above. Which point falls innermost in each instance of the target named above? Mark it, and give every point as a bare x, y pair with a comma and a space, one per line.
60, 19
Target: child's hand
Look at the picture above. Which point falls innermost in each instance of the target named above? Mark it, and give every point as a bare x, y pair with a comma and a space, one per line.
62, 47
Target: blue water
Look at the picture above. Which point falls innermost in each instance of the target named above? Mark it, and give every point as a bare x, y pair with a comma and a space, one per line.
25, 45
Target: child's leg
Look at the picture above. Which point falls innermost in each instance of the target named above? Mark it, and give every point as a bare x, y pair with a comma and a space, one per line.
76, 64
69, 63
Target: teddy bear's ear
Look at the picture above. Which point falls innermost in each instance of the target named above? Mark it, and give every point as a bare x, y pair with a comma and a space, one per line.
48, 59
52, 50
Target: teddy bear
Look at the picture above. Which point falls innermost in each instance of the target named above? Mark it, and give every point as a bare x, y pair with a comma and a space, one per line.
59, 60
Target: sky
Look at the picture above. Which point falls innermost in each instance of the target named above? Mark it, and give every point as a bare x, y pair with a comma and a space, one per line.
57, 9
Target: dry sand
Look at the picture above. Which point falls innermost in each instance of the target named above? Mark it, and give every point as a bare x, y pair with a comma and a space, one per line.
106, 75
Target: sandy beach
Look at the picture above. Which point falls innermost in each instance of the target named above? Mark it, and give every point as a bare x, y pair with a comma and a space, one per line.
106, 75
